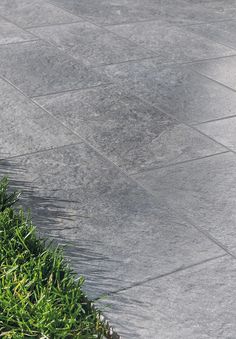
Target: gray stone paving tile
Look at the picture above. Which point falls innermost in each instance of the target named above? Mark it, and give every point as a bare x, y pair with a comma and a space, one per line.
27, 13
9, 33
223, 131
203, 191
196, 303
38, 68
25, 127
123, 11
91, 44
221, 70
131, 133
221, 32
119, 233
179, 91
172, 44
105, 12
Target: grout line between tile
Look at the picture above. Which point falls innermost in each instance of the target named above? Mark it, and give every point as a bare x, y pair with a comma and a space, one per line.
209, 78
214, 120
55, 24
160, 276
42, 150
17, 42
69, 91
176, 163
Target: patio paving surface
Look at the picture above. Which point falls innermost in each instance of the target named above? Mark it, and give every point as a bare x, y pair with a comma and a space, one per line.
118, 123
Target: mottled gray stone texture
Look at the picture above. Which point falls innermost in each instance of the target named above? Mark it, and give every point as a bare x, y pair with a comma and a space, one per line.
118, 123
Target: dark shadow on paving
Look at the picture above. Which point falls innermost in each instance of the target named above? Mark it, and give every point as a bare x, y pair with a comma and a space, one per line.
51, 217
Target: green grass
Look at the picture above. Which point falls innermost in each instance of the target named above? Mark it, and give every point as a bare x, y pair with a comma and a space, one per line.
39, 295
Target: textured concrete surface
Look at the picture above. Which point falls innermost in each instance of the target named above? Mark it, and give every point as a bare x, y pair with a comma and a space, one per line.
118, 123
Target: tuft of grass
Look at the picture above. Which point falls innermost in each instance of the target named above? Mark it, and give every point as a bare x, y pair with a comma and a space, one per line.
39, 295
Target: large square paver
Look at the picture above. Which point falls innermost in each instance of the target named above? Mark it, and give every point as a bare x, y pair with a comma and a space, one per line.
120, 234
177, 90
129, 132
171, 43
196, 303
25, 127
203, 191
91, 44
28, 13
37, 68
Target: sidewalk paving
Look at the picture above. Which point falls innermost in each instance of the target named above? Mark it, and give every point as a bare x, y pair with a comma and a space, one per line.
118, 122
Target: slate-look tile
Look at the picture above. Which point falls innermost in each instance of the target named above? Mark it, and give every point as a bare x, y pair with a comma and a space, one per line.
9, 33
120, 233
27, 13
131, 133
203, 191
188, 96
25, 127
197, 303
91, 44
105, 12
38, 68
126, 11
171, 43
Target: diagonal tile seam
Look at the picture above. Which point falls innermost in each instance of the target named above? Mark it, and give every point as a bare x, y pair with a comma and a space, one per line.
42, 150
68, 90
208, 77
130, 177
55, 24
160, 276
166, 23
18, 42
177, 163
213, 120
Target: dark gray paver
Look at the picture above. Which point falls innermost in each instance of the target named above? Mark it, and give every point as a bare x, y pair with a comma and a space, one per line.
91, 44
131, 235
195, 303
172, 44
25, 127
222, 70
203, 191
37, 68
131, 133
120, 234
27, 13
10, 33
177, 90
